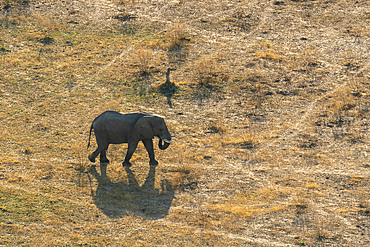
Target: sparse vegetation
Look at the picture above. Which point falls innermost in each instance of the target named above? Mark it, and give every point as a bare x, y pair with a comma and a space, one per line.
176, 36
269, 105
144, 58
207, 70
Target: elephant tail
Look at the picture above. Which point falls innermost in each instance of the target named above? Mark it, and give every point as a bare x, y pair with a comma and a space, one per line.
91, 128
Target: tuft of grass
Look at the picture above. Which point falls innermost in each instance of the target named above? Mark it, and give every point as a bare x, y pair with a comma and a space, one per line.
65, 69
266, 50
217, 126
4, 49
176, 36
269, 55
338, 105
81, 163
207, 71
47, 40
185, 178
363, 200
300, 200
124, 2
143, 59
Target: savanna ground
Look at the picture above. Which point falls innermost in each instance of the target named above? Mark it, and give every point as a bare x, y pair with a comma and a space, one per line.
269, 107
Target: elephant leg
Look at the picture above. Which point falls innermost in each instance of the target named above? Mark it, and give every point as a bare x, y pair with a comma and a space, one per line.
130, 151
101, 149
93, 155
103, 156
148, 143
102, 152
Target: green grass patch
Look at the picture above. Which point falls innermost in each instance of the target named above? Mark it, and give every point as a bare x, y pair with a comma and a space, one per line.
26, 207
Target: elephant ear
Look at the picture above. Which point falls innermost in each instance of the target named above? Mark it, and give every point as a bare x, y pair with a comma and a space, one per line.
144, 127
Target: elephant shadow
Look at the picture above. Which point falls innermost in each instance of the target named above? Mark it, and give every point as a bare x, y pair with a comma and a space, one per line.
119, 199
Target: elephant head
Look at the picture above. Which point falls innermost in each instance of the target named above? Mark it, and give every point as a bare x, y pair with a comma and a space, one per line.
150, 126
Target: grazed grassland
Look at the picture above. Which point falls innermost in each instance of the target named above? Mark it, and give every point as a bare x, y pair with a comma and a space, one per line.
269, 107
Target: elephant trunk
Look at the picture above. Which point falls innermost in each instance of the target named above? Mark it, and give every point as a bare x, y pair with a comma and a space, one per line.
165, 145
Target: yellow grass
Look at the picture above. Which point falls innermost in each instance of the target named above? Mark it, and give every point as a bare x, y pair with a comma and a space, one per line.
269, 112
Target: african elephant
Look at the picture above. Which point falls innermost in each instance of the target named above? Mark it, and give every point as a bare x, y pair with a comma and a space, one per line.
112, 127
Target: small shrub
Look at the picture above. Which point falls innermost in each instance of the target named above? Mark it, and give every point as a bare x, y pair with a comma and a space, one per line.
175, 36
46, 40
207, 71
217, 126
249, 140
144, 58
6, 5
308, 141
28, 151
4, 49
185, 178
266, 50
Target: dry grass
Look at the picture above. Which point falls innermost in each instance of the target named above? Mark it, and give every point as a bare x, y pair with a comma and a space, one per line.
144, 58
270, 116
176, 35
208, 70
